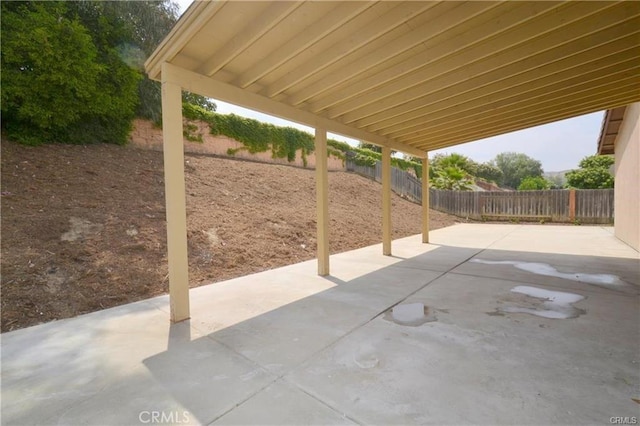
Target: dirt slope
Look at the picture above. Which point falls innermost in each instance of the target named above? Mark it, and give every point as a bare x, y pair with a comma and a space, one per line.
83, 226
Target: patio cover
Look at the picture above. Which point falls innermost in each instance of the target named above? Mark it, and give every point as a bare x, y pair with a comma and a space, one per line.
409, 76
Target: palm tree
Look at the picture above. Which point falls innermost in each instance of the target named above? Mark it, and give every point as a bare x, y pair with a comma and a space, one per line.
452, 178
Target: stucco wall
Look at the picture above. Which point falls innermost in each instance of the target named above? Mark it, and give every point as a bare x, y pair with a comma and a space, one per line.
146, 135
627, 172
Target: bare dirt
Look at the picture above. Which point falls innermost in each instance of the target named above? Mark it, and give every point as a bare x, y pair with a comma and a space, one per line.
83, 227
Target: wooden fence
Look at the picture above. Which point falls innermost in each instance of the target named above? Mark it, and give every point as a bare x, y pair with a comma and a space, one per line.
559, 205
402, 183
556, 205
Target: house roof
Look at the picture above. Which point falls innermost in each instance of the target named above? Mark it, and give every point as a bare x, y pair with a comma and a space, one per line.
414, 75
611, 123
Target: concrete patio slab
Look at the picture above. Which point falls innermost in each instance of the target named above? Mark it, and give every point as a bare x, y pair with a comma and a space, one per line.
330, 314
191, 382
449, 373
288, 347
574, 240
298, 408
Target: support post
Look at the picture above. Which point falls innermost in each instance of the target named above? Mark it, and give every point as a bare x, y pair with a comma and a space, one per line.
175, 200
425, 199
386, 201
322, 201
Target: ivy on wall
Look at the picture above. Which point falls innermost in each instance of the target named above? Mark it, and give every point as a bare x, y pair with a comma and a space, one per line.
284, 142
366, 157
188, 133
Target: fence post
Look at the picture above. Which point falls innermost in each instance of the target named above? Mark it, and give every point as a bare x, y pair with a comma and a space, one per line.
572, 205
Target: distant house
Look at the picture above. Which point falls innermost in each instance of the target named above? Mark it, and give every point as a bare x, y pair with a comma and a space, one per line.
620, 136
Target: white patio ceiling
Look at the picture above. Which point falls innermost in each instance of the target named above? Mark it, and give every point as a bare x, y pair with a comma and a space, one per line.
413, 75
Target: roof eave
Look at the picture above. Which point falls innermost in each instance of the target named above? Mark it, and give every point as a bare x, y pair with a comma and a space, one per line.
191, 21
608, 136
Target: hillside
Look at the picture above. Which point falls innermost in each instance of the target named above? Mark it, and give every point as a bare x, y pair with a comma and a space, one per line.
83, 226
557, 178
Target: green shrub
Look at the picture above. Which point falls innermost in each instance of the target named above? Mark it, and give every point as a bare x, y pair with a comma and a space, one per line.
533, 183
56, 85
593, 173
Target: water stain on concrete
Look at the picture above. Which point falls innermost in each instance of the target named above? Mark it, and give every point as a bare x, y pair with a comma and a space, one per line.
545, 269
410, 314
551, 304
366, 362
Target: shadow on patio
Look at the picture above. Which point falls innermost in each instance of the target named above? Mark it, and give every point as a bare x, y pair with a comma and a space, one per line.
288, 347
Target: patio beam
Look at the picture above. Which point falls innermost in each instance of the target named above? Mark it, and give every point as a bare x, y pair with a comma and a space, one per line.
252, 32
523, 48
535, 106
322, 201
614, 99
421, 35
189, 24
386, 201
175, 200
425, 199
389, 16
314, 31
206, 86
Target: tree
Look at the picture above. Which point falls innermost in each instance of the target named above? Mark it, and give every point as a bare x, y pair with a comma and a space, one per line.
442, 161
54, 87
489, 172
73, 71
452, 178
134, 29
597, 161
531, 183
593, 173
198, 100
515, 167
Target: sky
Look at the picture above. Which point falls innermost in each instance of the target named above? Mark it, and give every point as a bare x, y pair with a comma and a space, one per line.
558, 146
